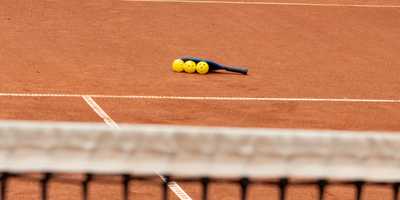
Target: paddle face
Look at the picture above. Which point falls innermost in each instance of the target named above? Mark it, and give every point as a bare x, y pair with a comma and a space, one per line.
215, 66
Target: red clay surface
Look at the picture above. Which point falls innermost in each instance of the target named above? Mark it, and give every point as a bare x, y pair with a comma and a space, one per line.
46, 109
316, 115
125, 48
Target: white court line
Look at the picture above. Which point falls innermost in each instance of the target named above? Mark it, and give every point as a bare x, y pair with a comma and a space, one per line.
268, 3
100, 112
205, 98
179, 192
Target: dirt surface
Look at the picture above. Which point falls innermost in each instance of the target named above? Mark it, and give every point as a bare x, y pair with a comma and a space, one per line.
108, 47
125, 48
46, 109
314, 115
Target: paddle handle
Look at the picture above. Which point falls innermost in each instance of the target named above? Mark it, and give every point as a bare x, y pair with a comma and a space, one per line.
236, 69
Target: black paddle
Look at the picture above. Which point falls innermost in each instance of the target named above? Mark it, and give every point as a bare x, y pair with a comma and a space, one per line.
215, 66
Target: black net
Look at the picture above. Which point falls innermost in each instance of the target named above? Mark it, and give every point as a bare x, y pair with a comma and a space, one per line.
124, 182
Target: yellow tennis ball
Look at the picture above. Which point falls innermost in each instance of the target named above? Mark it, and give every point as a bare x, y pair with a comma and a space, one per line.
189, 67
177, 65
202, 67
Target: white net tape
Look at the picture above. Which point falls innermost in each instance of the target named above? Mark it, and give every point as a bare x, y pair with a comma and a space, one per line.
198, 151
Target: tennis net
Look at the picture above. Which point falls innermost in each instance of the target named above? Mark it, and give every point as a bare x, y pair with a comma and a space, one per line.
82, 154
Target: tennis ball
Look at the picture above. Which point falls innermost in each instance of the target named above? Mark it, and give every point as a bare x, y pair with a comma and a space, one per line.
189, 67
177, 65
202, 67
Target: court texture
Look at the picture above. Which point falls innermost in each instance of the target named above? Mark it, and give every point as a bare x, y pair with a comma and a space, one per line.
313, 64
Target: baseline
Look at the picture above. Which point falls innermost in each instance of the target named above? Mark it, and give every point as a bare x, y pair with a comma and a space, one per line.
208, 98
268, 3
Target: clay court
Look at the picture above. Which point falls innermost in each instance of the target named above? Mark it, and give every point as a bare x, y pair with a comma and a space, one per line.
312, 65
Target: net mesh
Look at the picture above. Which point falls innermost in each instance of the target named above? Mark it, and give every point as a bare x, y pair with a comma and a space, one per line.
80, 154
